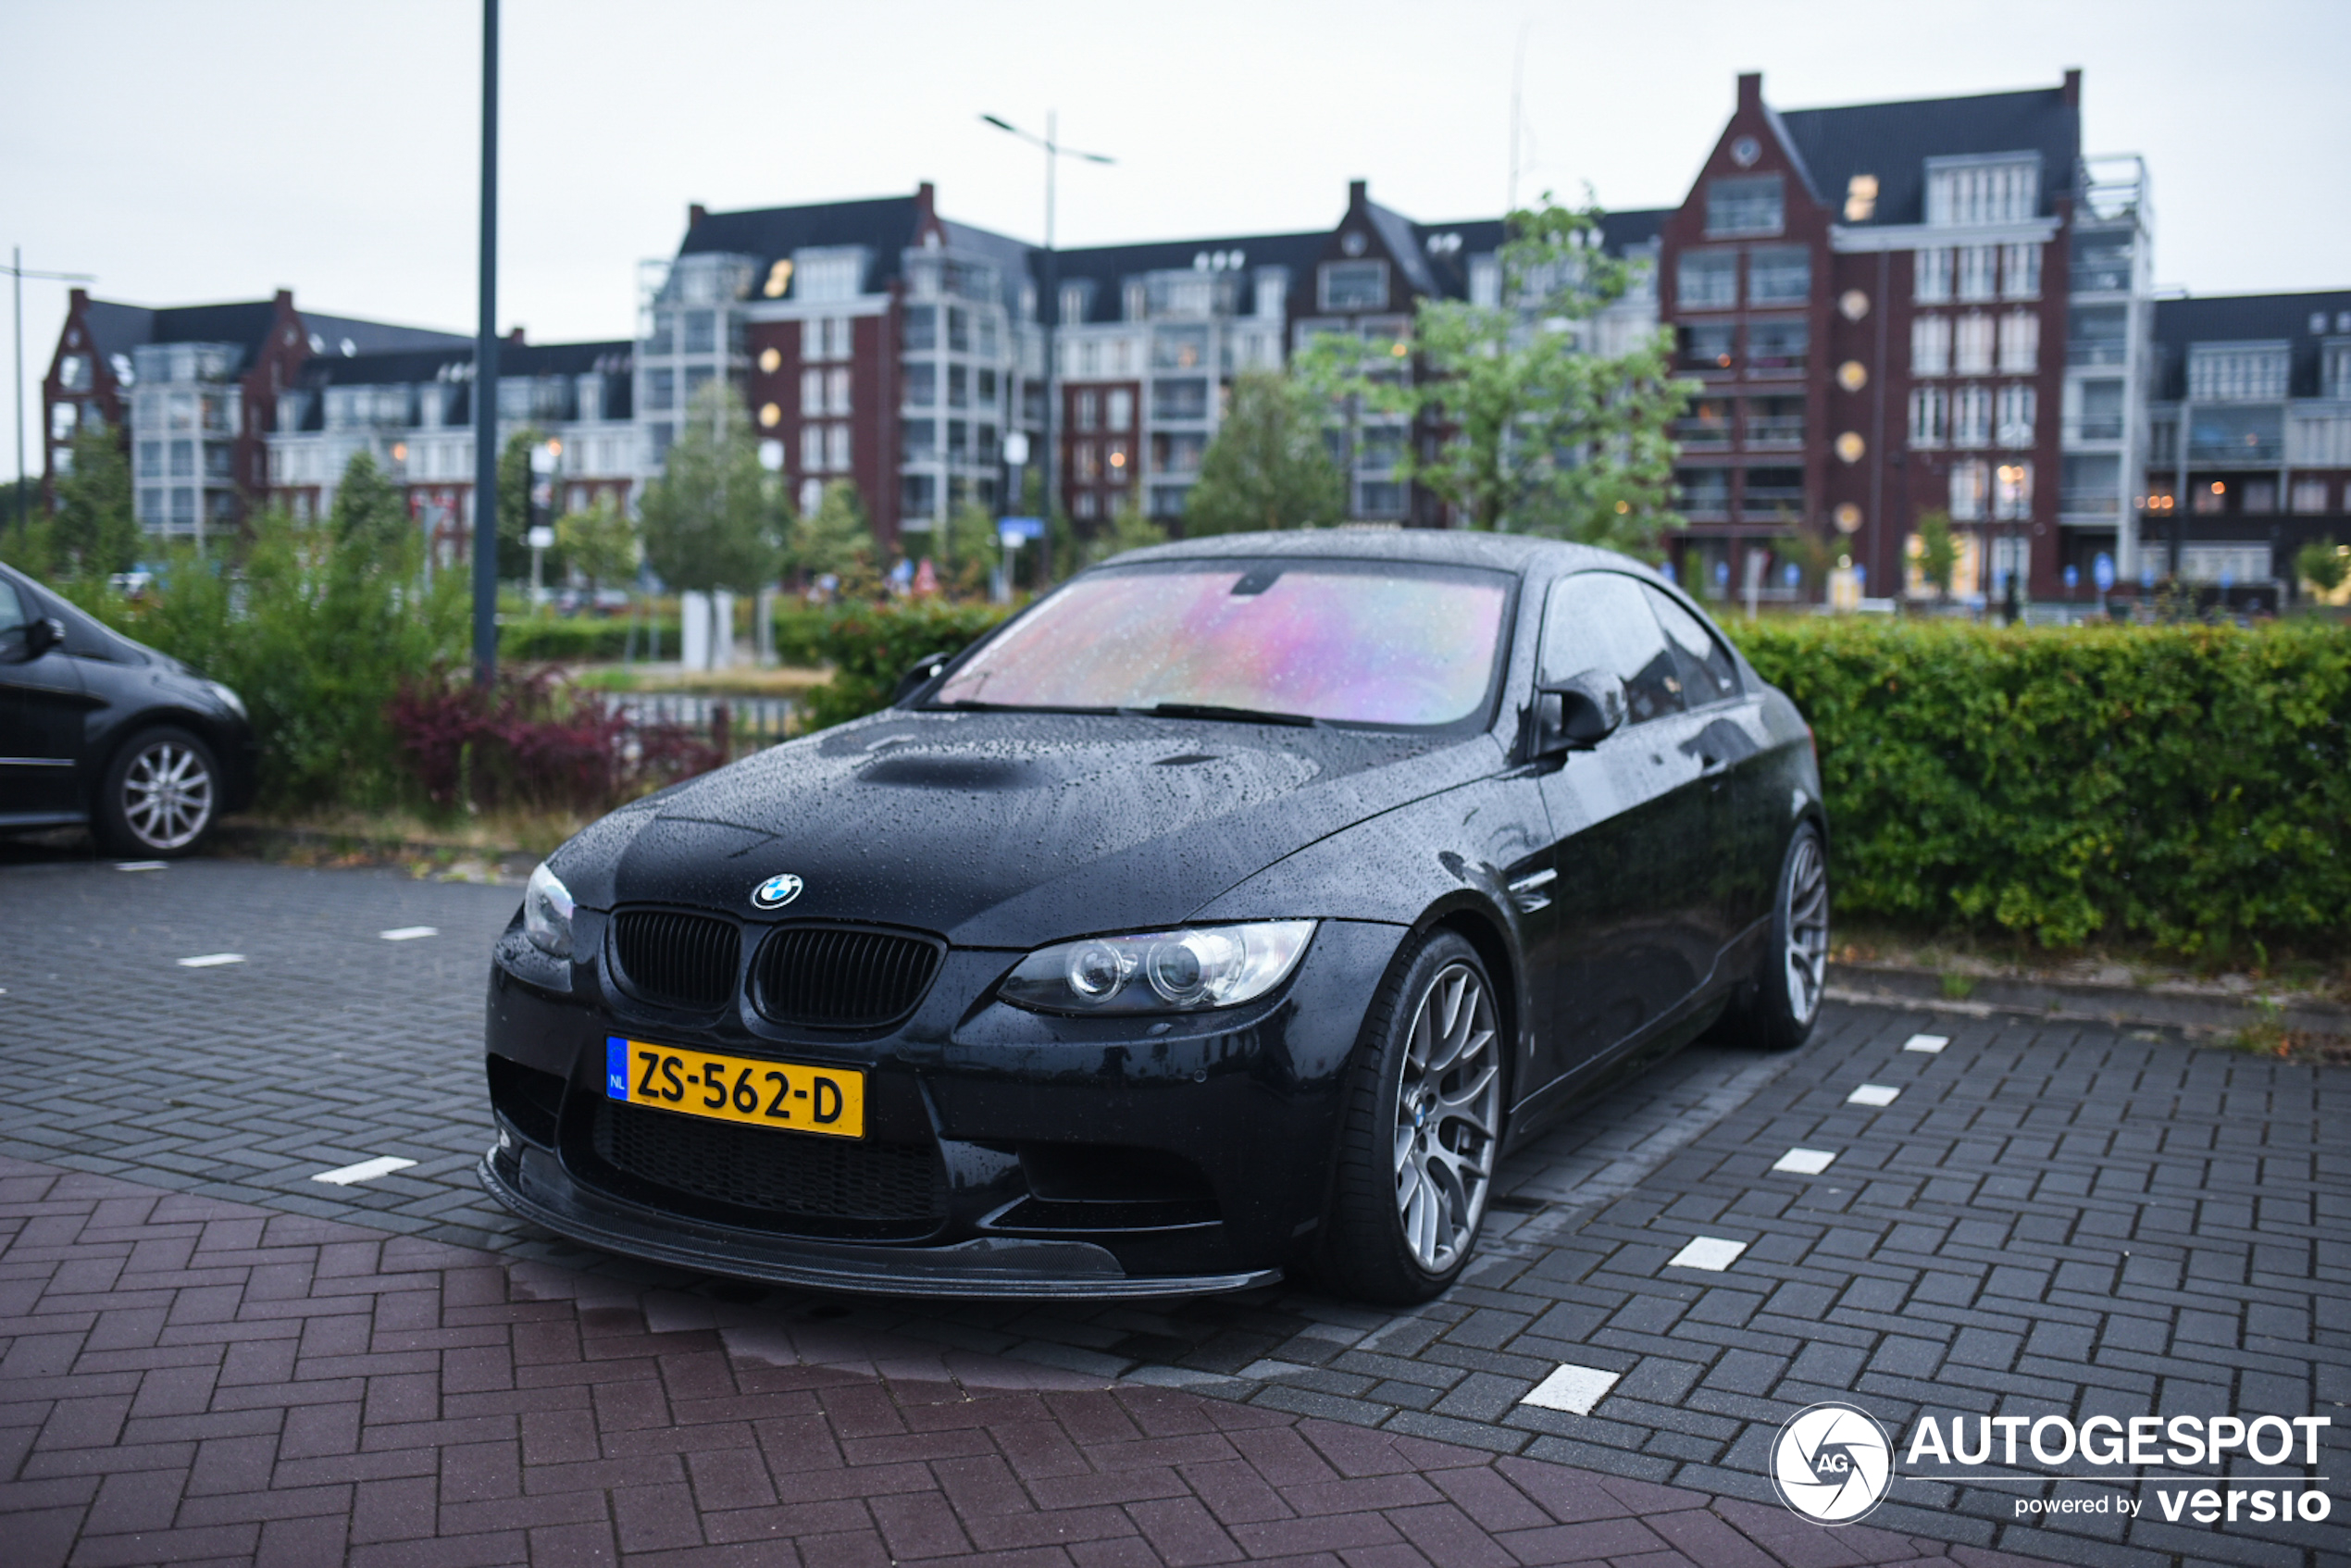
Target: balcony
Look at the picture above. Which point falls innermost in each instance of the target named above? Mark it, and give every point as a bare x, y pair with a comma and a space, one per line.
2100, 428
1780, 430
2090, 503
2097, 351
1702, 432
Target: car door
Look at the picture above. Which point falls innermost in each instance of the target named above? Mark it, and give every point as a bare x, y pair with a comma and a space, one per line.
41, 711
1723, 729
1630, 827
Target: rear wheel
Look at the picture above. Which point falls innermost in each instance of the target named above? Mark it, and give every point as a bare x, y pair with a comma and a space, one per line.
160, 795
1776, 1010
1422, 1120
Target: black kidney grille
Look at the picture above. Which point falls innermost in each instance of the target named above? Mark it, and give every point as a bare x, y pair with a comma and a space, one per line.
679, 959
782, 1173
835, 979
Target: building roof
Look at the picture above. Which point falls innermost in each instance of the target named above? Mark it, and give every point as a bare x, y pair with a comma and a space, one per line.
519, 360
1109, 267
117, 329
1893, 140
2301, 321
885, 226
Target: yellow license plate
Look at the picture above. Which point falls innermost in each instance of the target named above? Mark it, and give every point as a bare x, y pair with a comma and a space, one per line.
736, 1089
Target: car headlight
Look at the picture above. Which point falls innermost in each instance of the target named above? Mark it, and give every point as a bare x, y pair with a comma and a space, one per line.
228, 699
546, 913
1161, 971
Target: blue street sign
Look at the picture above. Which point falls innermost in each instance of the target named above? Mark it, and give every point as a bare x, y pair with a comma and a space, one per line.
2102, 571
1722, 571
2073, 576
2147, 574
1027, 528
1793, 573
1861, 576
1665, 569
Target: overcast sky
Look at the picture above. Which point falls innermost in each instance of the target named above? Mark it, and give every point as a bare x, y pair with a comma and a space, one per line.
188, 152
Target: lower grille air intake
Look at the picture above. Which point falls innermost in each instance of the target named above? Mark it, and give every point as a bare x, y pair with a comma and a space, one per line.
781, 1174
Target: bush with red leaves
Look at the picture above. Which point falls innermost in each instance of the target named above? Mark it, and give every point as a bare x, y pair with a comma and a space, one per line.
533, 741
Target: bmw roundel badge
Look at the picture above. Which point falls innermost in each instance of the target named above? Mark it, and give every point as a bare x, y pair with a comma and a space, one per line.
776, 891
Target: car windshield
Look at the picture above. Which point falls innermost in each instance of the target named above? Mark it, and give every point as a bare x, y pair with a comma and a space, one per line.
1392, 644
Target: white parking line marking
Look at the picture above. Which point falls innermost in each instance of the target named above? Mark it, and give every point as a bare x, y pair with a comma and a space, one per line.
1874, 1094
139, 865
1572, 1388
408, 933
1712, 1253
211, 959
1932, 1044
1805, 1161
365, 1170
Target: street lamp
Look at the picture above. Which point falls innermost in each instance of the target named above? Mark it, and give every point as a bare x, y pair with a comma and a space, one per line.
1049, 308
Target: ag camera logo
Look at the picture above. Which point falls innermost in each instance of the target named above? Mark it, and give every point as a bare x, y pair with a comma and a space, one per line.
1831, 1463
776, 891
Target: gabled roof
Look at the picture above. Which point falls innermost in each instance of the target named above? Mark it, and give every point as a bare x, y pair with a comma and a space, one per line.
245, 324
2180, 324
377, 336
1892, 142
610, 357
1108, 266
1403, 240
883, 225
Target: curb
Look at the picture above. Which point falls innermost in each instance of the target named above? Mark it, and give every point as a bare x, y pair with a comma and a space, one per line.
2082, 1002
249, 839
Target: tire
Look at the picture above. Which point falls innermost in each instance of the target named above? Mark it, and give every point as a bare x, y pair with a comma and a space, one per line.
160, 797
1776, 1010
1417, 1147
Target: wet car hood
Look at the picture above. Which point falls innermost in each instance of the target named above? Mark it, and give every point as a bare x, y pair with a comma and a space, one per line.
1008, 829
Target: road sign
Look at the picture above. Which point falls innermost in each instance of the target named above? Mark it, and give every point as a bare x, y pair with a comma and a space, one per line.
1026, 528
1016, 447
2102, 571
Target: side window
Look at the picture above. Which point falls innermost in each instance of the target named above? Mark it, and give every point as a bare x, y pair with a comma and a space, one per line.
1598, 620
1709, 673
12, 616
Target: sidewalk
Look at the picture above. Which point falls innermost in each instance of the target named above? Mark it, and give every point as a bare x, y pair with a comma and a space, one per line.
186, 1379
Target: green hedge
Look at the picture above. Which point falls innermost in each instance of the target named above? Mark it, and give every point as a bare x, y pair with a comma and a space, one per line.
2183, 785
869, 647
583, 640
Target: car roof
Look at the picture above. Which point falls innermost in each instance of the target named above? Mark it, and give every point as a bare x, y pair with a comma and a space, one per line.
1509, 552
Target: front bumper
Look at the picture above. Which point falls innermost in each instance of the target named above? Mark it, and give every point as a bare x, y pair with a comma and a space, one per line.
1067, 1157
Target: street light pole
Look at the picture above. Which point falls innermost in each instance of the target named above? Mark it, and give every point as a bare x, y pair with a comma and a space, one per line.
486, 372
1049, 308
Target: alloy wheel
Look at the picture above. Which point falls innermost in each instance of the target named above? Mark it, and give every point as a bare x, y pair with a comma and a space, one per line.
167, 795
1447, 1108
1806, 923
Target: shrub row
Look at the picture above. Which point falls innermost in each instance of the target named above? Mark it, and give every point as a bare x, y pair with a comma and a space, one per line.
870, 646
801, 630
2184, 784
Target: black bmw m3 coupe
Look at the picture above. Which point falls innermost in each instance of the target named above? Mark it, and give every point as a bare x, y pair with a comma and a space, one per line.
1230, 911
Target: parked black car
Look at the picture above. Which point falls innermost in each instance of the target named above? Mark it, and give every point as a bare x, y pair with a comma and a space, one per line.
1228, 912
96, 728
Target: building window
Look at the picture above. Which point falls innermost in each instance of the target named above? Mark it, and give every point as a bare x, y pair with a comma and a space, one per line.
1118, 408
1087, 504
2020, 343
1085, 462
1930, 345
696, 378
1076, 300
1971, 345
1707, 423
1703, 491
1772, 492
661, 390
1751, 204
1776, 346
1118, 459
2091, 486
921, 440
837, 391
1089, 410
1930, 416
1707, 279
1775, 421
1861, 198
1354, 285
2337, 376
985, 389
2020, 272
2101, 418
2261, 496
921, 329
1185, 399
958, 329
1710, 348
812, 393
1971, 482
1177, 452
1781, 274
151, 459
183, 459
2237, 372
2017, 405
2005, 191
812, 449
1972, 416
1975, 271
1931, 271
922, 383
2013, 490
183, 508
1181, 348
959, 386
73, 373
959, 441
826, 277
837, 448
2309, 496
701, 334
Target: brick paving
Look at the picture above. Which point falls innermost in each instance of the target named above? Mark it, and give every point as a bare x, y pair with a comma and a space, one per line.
187, 1380
2046, 1219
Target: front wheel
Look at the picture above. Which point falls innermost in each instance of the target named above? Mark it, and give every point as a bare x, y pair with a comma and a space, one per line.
1777, 1009
159, 796
1421, 1124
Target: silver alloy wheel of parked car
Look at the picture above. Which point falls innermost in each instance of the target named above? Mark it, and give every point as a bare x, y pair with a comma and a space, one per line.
168, 794
1447, 1111
1806, 921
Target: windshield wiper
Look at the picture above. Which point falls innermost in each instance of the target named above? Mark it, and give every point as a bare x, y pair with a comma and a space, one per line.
1235, 715
973, 704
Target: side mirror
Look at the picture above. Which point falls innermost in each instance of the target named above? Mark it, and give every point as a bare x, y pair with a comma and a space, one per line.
919, 674
1578, 714
42, 635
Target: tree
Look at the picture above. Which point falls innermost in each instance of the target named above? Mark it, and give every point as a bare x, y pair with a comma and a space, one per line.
371, 518
1129, 529
1938, 553
709, 519
1812, 555
95, 528
1269, 466
1542, 433
969, 549
2323, 565
837, 538
598, 541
